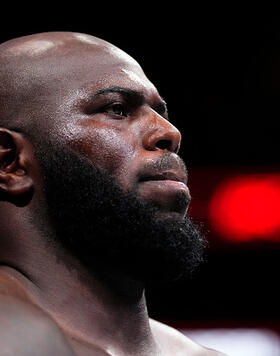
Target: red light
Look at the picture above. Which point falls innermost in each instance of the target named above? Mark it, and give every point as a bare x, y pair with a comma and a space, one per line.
247, 208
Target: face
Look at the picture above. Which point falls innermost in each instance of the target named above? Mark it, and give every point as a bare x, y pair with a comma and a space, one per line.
117, 119
115, 186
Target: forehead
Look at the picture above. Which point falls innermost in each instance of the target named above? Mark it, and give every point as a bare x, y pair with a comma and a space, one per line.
53, 72
89, 72
113, 68
68, 60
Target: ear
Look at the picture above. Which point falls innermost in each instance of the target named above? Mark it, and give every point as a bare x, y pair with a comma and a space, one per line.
16, 185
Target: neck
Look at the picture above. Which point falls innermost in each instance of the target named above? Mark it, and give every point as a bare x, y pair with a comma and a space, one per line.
112, 316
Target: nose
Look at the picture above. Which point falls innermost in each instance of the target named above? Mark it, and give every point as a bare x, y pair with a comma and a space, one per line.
161, 134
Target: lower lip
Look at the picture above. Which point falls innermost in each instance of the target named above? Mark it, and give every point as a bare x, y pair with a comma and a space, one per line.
158, 189
165, 193
168, 184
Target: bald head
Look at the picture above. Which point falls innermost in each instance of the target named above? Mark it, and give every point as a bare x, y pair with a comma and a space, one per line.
39, 44
37, 71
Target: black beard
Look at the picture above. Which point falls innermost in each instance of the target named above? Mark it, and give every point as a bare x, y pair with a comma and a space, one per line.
109, 230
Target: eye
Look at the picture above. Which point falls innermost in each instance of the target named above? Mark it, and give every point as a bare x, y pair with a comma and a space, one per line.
116, 109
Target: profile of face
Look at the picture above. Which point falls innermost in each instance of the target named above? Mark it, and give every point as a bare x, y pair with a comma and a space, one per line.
114, 185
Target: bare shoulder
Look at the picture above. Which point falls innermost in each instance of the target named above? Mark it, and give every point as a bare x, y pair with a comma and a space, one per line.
175, 343
24, 328
16, 303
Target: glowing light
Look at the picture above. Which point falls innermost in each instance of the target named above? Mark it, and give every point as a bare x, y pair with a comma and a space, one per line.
246, 208
238, 341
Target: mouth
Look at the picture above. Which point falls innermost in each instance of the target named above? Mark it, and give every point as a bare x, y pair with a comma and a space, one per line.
168, 175
168, 190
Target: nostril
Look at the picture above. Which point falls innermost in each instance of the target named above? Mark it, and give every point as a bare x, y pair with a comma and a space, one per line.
164, 144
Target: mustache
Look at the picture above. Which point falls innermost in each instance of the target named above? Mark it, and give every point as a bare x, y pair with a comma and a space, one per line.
166, 162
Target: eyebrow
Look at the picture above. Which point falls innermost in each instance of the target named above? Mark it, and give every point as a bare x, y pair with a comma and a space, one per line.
136, 96
133, 94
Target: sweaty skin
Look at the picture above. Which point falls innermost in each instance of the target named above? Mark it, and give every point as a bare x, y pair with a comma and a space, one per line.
53, 82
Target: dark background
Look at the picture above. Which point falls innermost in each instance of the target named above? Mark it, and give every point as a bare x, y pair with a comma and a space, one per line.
219, 71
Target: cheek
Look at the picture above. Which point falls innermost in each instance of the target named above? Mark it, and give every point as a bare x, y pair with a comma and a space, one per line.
112, 149
107, 148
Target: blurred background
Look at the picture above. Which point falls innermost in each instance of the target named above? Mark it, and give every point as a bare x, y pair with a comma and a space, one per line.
219, 71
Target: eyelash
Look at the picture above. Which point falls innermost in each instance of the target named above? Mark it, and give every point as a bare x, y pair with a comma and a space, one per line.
121, 106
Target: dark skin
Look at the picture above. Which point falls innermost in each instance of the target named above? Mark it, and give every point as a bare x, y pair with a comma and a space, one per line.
119, 129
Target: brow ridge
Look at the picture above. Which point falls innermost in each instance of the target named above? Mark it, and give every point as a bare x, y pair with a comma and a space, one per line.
136, 95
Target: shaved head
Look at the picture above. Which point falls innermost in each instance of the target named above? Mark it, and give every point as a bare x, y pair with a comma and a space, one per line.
33, 72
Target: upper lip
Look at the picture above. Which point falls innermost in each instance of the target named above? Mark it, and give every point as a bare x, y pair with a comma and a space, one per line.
166, 175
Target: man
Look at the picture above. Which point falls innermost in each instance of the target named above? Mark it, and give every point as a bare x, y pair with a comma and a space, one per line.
93, 201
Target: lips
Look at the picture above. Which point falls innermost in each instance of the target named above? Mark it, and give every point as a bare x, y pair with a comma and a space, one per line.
167, 175
167, 190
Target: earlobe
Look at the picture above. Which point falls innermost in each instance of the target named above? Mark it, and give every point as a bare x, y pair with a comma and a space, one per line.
16, 186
